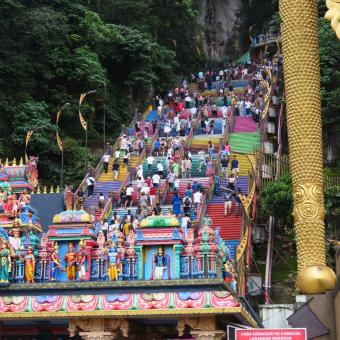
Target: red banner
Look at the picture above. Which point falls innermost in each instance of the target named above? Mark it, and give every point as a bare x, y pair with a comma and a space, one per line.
271, 334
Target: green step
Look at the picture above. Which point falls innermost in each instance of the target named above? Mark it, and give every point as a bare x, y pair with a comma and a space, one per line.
244, 142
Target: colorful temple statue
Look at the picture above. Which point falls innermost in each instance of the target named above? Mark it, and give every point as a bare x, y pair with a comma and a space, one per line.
81, 261
15, 240
69, 198
55, 262
160, 262
29, 264
5, 262
71, 262
113, 261
229, 274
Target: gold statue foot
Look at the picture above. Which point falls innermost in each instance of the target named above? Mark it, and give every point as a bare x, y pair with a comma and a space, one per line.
315, 280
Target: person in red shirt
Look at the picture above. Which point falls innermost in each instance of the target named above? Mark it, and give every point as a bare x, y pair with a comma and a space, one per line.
152, 195
148, 182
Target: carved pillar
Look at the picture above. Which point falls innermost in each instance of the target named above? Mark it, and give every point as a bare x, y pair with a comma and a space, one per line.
202, 328
208, 335
99, 329
302, 84
178, 250
140, 267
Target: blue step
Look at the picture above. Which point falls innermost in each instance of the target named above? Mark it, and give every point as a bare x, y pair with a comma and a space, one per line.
232, 245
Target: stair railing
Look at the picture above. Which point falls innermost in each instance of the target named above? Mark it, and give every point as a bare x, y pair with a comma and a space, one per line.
109, 204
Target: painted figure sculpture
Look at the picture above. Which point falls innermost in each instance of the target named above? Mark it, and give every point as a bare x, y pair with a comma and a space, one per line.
71, 262
160, 264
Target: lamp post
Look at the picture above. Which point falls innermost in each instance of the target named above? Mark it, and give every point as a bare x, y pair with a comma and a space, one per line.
104, 118
60, 143
82, 120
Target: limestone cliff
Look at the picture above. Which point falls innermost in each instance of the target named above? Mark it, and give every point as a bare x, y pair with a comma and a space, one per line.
218, 36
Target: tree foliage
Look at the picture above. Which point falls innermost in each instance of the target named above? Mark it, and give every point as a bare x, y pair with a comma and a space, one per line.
277, 200
53, 50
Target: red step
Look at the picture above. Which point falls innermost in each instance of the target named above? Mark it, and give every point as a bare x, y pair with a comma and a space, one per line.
230, 226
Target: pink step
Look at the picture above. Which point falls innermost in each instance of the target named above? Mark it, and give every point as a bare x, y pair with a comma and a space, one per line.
244, 124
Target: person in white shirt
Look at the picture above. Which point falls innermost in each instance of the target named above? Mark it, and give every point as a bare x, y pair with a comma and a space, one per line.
145, 189
248, 106
160, 169
150, 161
224, 125
176, 184
90, 186
193, 112
202, 157
187, 102
140, 182
156, 180
184, 225
197, 200
129, 192
224, 111
106, 160
140, 171
117, 154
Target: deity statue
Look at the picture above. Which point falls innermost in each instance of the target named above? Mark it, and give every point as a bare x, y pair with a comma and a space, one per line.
113, 260
101, 239
29, 264
121, 252
55, 262
24, 199
81, 261
5, 262
71, 262
207, 221
68, 197
15, 240
229, 274
160, 262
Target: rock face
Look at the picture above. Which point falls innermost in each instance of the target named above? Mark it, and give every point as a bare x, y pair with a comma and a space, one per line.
218, 37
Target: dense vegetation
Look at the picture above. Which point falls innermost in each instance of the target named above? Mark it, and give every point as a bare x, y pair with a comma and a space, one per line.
54, 50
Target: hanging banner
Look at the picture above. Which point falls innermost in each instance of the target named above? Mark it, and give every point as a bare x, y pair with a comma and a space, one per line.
81, 118
271, 334
28, 137
59, 141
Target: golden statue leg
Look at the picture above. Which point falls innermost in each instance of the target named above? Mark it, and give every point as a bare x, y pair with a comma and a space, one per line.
302, 85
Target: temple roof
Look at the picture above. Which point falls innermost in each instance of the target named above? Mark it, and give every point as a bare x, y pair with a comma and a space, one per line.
73, 216
159, 222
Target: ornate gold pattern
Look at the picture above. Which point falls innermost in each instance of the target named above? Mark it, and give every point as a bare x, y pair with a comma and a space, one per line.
247, 199
333, 15
299, 29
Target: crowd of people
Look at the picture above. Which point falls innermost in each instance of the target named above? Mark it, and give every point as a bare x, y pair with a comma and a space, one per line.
187, 108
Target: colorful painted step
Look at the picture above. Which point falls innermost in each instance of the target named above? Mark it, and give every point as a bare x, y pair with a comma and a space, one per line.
245, 142
244, 124
230, 226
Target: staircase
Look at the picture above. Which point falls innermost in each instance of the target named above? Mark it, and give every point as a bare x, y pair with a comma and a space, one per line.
243, 141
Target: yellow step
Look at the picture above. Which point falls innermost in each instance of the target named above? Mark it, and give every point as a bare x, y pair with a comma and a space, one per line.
122, 174
243, 164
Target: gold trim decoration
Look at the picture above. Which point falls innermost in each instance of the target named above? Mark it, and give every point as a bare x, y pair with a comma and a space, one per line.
252, 161
333, 15
241, 248
299, 28
247, 199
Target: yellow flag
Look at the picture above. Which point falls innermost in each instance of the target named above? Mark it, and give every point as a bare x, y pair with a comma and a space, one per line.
59, 141
28, 137
81, 118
